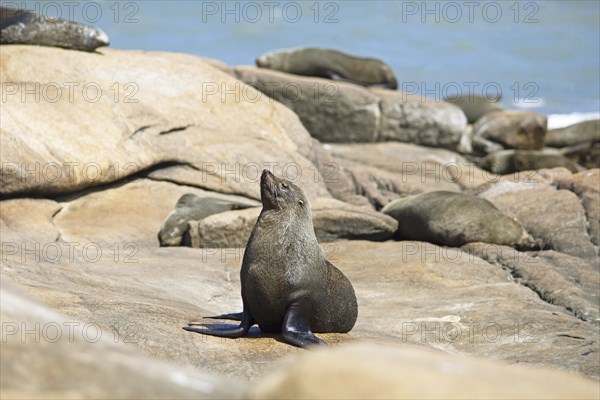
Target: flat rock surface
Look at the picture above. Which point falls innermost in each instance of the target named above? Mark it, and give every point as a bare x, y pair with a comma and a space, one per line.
408, 292
48, 355
554, 215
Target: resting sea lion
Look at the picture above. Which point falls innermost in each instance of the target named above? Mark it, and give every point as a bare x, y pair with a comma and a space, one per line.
330, 64
26, 27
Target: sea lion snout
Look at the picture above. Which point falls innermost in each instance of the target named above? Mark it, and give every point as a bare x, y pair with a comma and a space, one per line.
268, 189
267, 180
261, 61
100, 38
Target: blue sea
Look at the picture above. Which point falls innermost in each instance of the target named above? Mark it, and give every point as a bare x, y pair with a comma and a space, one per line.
538, 55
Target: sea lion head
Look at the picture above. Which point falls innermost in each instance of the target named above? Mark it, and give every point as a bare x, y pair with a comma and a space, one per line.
281, 194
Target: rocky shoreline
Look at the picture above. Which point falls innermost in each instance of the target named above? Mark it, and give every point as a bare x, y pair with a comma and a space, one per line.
98, 148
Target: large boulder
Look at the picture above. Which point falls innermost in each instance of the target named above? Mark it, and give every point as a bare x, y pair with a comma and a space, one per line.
345, 113
79, 120
330, 111
385, 171
369, 370
416, 119
548, 205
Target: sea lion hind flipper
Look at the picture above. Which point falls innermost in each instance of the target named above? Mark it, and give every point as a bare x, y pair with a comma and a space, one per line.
232, 316
229, 333
241, 330
296, 328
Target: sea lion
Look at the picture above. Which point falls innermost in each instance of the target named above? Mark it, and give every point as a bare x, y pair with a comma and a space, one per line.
579, 142
190, 207
287, 284
510, 161
474, 106
511, 129
454, 219
585, 131
26, 27
330, 64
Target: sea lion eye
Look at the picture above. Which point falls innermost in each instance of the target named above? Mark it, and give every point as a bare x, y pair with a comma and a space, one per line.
284, 186
301, 203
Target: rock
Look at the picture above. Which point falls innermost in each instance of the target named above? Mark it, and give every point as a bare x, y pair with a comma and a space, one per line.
331, 111
531, 197
453, 219
211, 131
420, 120
375, 371
521, 130
340, 112
93, 360
190, 207
331, 64
28, 221
586, 185
509, 161
586, 131
558, 278
411, 292
332, 220
223, 230
412, 169
474, 106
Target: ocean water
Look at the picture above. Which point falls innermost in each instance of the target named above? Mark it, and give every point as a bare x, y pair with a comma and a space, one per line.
538, 55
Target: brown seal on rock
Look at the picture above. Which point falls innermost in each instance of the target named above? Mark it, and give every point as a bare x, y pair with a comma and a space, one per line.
510, 161
509, 129
287, 284
330, 64
26, 27
454, 219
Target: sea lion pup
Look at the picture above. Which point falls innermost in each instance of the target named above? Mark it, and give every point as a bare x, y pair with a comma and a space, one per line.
330, 64
287, 284
26, 27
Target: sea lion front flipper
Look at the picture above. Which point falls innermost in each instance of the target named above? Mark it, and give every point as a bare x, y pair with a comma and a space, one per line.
296, 328
232, 316
241, 330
